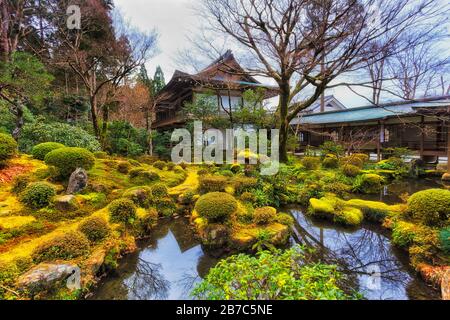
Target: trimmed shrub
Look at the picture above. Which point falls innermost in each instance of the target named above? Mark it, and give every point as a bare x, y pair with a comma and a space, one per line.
248, 197
159, 191
212, 184
124, 167
311, 163
41, 150
101, 155
20, 183
368, 183
216, 206
67, 160
244, 184
38, 195
160, 165
350, 170
142, 176
362, 156
122, 211
264, 215
166, 207
8, 147
330, 162
95, 229
353, 160
432, 207
66, 247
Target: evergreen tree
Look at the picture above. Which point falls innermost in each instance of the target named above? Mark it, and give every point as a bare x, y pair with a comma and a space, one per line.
158, 80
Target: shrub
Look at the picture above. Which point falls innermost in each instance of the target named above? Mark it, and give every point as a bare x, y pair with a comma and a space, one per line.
101, 155
66, 247
160, 165
8, 147
171, 166
212, 183
264, 215
432, 207
271, 276
285, 219
124, 167
216, 206
368, 183
350, 170
362, 156
141, 196
67, 160
94, 228
244, 184
122, 211
159, 191
236, 168
166, 207
38, 195
338, 188
70, 136
20, 183
311, 163
331, 147
248, 197
142, 176
403, 233
125, 140
330, 162
353, 160
41, 150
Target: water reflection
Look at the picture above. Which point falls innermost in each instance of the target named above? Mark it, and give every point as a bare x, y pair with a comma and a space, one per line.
168, 266
381, 270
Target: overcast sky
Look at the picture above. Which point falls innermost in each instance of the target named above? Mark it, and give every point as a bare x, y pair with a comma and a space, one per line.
175, 20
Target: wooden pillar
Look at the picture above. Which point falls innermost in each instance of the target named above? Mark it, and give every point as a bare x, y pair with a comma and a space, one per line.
422, 137
380, 139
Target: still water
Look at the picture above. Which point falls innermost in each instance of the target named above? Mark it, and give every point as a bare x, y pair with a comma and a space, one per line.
171, 262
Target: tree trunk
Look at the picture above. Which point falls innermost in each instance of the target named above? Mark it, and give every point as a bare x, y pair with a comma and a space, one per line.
105, 120
17, 110
284, 123
94, 116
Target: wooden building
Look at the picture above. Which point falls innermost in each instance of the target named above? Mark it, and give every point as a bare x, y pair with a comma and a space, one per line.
225, 78
421, 126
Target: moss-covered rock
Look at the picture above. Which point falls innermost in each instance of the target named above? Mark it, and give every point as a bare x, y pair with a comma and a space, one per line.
264, 215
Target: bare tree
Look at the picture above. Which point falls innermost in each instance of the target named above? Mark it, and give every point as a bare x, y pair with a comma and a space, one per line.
306, 44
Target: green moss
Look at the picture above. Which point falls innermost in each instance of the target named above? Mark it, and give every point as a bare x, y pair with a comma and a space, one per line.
122, 211
212, 183
40, 151
94, 228
311, 163
432, 207
66, 247
349, 216
373, 211
350, 170
320, 207
285, 219
8, 147
216, 206
264, 215
368, 183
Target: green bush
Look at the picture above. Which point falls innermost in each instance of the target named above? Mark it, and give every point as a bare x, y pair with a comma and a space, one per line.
166, 207
65, 247
331, 147
368, 183
8, 147
354, 160
311, 163
330, 162
404, 233
38, 195
125, 140
432, 207
142, 176
271, 276
122, 211
160, 165
362, 156
285, 219
41, 150
141, 196
70, 136
159, 191
248, 197
212, 183
216, 206
244, 184
95, 229
171, 166
20, 183
101, 155
264, 215
350, 170
67, 160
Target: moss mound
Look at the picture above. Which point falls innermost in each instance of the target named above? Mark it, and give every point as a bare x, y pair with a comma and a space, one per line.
216, 206
67, 160
122, 211
8, 147
95, 229
432, 207
38, 195
40, 151
66, 247
264, 215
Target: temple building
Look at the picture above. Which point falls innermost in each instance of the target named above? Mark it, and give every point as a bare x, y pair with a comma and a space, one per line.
421, 126
224, 78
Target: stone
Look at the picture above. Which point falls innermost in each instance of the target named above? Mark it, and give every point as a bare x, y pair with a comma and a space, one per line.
47, 276
66, 203
445, 285
215, 236
78, 181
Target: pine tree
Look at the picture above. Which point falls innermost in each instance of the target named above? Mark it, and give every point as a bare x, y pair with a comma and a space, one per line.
158, 81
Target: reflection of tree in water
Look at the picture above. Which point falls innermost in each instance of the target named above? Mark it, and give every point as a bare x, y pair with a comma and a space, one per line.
147, 283
359, 252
